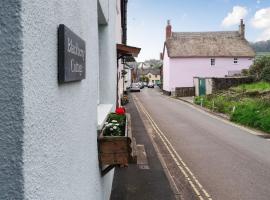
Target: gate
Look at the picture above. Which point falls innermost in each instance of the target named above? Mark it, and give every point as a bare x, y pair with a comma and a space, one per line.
202, 88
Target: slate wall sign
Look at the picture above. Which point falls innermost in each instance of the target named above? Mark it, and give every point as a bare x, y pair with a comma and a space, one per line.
71, 56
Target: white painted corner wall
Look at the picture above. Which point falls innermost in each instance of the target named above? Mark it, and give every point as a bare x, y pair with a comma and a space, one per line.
60, 152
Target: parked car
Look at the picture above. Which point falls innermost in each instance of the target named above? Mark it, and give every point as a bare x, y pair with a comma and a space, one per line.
135, 87
150, 85
141, 85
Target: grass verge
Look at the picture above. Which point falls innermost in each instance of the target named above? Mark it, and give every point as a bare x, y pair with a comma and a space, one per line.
252, 111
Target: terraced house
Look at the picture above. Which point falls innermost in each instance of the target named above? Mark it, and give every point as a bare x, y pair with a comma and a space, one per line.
203, 54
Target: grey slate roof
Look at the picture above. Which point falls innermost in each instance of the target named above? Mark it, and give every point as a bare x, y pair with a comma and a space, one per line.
208, 44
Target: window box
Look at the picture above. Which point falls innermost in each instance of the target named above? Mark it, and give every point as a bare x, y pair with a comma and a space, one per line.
118, 149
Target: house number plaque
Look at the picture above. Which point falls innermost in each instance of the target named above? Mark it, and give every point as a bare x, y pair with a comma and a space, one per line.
71, 56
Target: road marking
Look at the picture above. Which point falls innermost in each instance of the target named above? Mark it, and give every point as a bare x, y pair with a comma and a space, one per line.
185, 169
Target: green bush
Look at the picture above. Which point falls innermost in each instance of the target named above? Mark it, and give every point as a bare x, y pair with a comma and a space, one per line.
246, 113
250, 111
265, 75
264, 122
258, 66
258, 86
253, 113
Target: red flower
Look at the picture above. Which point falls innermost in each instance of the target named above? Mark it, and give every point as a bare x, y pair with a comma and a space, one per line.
120, 110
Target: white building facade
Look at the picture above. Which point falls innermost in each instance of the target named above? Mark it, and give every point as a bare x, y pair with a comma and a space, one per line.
48, 130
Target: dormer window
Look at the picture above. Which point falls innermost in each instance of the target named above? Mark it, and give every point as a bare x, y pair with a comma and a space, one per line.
213, 61
235, 60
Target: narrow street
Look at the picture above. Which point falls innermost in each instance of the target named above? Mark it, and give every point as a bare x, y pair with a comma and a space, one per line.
224, 161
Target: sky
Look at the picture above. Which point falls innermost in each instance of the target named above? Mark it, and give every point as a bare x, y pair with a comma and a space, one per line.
147, 20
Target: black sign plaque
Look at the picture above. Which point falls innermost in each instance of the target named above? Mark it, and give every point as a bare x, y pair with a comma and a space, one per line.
71, 56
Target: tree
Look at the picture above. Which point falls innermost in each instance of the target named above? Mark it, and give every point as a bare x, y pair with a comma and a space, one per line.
261, 46
154, 63
144, 79
258, 66
265, 76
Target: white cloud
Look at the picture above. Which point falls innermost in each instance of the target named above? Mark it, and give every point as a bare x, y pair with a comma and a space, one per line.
258, 1
264, 36
238, 12
261, 18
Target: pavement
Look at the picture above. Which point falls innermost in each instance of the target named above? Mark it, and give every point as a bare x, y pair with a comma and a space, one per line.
187, 99
219, 160
147, 179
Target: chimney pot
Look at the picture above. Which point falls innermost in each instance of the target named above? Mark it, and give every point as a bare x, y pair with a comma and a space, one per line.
242, 29
168, 30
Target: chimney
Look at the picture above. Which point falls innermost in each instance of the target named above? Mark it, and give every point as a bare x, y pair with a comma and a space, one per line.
168, 30
242, 29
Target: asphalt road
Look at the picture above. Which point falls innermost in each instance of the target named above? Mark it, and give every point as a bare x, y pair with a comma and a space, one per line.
229, 162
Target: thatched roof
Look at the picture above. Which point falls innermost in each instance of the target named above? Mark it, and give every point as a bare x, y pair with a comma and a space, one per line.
208, 44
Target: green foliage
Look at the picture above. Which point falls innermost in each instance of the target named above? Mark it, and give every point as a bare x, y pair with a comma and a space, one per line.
153, 63
246, 113
264, 122
261, 46
144, 79
258, 86
218, 103
259, 64
245, 72
115, 125
253, 112
265, 75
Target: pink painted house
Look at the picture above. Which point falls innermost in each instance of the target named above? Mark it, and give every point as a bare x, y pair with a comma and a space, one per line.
203, 54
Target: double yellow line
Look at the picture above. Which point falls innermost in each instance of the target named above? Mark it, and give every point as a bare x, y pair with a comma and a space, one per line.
189, 176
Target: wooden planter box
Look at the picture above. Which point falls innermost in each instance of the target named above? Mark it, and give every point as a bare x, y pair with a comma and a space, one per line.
114, 150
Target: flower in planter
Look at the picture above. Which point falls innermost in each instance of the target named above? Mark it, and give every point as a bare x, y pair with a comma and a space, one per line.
115, 125
120, 111
112, 129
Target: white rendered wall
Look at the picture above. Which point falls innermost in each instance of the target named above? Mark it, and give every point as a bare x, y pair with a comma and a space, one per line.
208, 86
166, 71
182, 70
107, 56
119, 41
127, 79
118, 22
60, 120
196, 85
